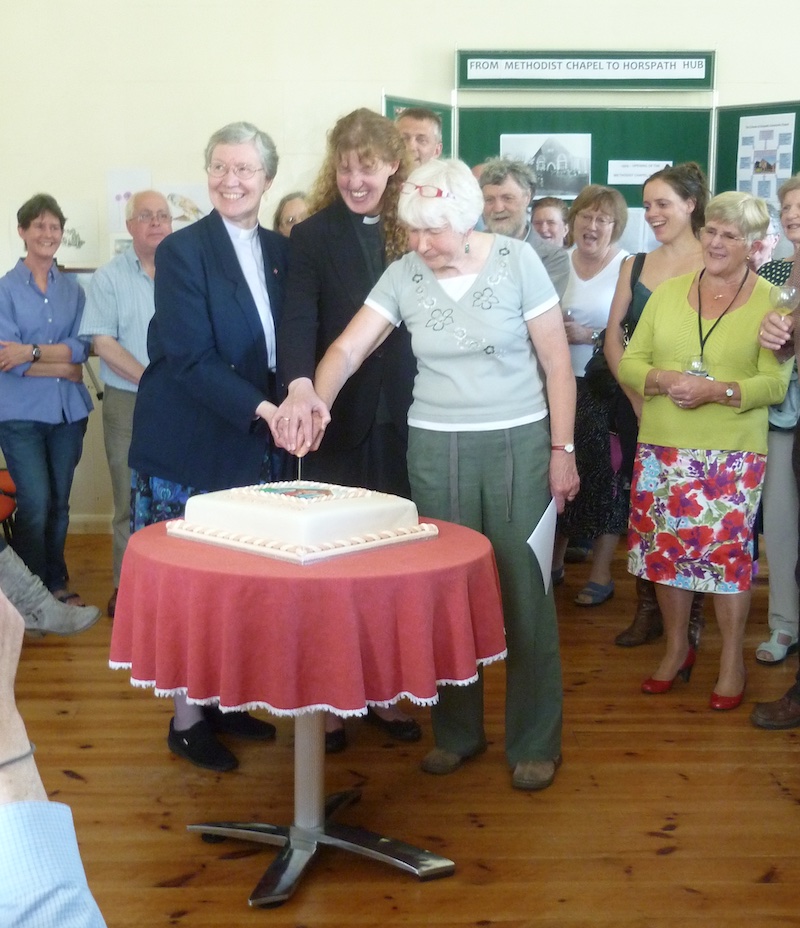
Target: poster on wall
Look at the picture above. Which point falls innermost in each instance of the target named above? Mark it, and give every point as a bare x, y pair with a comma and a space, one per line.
80, 242
765, 155
561, 162
121, 184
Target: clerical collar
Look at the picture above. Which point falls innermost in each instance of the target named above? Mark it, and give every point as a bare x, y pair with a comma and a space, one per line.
237, 232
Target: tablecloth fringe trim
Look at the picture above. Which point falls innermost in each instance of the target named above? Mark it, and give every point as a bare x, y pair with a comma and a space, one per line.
322, 707
501, 656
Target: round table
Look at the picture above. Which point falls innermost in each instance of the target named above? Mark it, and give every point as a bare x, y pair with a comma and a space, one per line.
247, 631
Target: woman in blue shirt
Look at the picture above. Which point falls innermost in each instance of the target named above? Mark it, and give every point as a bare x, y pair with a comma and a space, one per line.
44, 406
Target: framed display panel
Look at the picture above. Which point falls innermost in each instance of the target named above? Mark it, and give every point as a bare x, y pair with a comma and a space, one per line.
759, 141
573, 147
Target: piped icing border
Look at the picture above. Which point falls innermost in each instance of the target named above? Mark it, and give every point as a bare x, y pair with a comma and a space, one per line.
299, 494
300, 554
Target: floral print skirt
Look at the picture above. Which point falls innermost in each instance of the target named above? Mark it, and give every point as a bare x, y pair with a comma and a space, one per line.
692, 517
154, 499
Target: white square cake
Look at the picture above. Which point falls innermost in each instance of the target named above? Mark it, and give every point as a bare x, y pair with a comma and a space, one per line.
300, 521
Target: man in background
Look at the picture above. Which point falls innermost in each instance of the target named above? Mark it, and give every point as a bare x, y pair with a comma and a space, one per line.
508, 187
421, 129
119, 307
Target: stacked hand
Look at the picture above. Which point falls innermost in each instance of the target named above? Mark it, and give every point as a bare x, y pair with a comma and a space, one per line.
687, 390
299, 423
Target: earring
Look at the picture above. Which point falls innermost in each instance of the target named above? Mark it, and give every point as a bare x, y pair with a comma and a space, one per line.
466, 248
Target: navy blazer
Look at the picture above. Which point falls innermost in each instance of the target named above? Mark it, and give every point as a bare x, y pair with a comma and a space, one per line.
329, 279
194, 417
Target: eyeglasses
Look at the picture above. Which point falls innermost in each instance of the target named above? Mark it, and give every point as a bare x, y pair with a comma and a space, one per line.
601, 222
242, 171
146, 216
710, 233
425, 190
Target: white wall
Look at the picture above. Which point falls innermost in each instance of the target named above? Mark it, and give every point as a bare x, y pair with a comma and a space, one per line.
90, 85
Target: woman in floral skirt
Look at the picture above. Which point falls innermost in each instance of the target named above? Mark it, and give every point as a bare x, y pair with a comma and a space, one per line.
703, 440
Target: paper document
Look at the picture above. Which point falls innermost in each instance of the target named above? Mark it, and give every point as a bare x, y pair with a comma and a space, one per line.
541, 541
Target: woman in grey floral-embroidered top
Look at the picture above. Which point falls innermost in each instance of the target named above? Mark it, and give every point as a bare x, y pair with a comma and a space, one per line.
488, 447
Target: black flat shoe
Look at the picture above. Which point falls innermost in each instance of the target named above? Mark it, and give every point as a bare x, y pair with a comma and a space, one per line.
399, 729
199, 746
238, 724
335, 741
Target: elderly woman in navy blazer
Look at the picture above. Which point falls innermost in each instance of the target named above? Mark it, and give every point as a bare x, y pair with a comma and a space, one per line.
208, 394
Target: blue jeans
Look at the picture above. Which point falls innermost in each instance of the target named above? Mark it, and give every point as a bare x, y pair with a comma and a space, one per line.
41, 459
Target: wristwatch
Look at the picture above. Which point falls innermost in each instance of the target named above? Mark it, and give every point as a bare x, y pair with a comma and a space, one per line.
729, 393
569, 448
596, 337
36, 353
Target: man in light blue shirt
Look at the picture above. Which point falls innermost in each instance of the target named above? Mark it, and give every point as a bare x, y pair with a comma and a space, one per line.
119, 306
42, 881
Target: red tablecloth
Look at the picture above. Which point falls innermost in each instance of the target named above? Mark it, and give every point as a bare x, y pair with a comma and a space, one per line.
340, 634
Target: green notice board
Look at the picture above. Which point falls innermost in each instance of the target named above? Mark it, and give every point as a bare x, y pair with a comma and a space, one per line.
730, 172
657, 136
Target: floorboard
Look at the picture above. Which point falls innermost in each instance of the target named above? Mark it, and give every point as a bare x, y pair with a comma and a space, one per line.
664, 812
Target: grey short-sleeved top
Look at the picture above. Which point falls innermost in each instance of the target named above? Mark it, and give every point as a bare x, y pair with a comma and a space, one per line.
477, 369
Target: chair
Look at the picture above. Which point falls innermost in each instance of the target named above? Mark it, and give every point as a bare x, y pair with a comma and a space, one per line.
8, 504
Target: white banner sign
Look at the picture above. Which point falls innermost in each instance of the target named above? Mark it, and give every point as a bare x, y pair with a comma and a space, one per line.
601, 69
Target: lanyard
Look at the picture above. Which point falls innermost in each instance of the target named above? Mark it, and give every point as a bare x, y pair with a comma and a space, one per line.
716, 321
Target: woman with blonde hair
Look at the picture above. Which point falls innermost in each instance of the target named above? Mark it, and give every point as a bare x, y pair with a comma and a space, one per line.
706, 384
336, 256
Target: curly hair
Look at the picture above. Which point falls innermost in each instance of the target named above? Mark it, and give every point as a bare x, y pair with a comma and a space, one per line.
372, 138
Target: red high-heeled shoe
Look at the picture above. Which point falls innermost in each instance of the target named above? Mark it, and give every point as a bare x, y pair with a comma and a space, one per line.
656, 687
724, 703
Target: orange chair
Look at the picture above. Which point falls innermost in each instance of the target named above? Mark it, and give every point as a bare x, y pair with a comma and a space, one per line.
8, 503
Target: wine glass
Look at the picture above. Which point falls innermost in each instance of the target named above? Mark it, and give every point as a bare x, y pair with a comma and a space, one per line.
784, 299
696, 366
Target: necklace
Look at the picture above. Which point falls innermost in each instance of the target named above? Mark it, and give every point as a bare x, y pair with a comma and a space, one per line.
716, 321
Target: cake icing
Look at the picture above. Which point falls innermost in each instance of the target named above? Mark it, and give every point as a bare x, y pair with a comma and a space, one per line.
300, 520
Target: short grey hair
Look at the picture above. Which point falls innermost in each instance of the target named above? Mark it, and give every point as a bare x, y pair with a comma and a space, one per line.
237, 133
496, 170
130, 206
459, 209
748, 213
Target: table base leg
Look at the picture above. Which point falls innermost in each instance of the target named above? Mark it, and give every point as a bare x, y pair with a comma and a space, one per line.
313, 827
422, 863
284, 873
299, 846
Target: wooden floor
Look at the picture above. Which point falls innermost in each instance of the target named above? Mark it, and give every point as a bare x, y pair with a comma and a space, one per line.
664, 813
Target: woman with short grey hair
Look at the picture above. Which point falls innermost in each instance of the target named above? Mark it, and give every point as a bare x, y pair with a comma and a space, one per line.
490, 436
243, 133
209, 391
